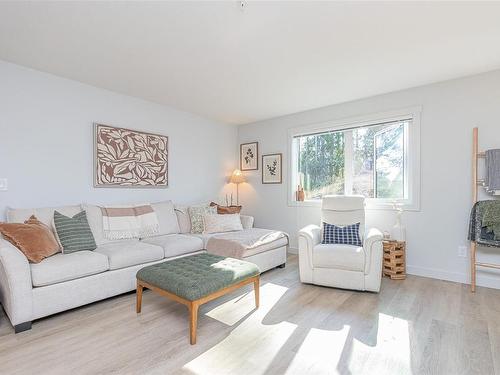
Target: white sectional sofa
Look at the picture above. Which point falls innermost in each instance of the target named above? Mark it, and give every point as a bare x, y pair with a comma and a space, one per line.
64, 281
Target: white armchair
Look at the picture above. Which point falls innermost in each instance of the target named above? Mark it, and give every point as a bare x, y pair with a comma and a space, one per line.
341, 266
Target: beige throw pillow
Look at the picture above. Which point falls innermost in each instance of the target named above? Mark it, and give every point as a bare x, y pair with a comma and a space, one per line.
216, 223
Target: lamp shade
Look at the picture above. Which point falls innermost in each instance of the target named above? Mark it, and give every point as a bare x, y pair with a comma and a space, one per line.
237, 177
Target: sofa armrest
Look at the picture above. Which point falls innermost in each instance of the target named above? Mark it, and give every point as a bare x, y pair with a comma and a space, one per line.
16, 291
373, 248
246, 221
309, 237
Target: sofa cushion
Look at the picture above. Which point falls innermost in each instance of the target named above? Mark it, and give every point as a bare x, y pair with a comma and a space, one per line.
128, 253
64, 267
346, 257
167, 219
176, 244
204, 237
45, 215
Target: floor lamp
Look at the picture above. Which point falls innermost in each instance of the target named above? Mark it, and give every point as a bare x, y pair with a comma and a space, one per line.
237, 178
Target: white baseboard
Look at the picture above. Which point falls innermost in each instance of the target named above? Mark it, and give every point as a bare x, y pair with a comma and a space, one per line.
434, 273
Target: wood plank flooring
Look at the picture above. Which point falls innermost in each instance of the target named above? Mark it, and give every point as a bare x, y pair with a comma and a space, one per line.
415, 326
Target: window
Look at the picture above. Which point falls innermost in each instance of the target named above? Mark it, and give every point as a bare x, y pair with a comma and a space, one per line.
377, 159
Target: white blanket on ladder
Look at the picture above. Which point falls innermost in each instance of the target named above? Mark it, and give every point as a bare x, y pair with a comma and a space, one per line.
125, 222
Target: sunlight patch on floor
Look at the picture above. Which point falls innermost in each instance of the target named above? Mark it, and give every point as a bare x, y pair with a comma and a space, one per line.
392, 349
319, 353
233, 310
251, 341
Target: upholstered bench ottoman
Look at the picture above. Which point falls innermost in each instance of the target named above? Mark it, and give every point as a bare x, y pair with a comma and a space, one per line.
195, 280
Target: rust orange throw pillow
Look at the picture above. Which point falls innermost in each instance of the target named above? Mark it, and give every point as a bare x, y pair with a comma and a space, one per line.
33, 238
223, 210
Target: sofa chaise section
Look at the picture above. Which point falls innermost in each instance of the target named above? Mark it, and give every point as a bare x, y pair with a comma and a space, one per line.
264, 247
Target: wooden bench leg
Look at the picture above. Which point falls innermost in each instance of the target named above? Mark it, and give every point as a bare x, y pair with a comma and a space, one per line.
193, 321
256, 291
139, 297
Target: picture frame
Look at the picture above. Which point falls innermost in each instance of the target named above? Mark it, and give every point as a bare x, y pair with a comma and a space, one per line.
127, 158
249, 156
272, 168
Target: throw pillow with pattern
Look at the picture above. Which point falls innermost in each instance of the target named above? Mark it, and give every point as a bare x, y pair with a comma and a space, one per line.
346, 235
196, 214
74, 232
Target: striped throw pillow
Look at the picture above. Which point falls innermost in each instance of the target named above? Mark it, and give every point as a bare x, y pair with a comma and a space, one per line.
74, 232
347, 235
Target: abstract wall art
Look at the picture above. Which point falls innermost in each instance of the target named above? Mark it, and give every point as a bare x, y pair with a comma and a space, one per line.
129, 158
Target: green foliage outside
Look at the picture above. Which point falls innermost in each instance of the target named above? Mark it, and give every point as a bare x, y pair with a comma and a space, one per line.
390, 163
322, 164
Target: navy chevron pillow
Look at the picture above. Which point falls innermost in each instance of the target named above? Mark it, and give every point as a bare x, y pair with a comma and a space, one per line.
348, 235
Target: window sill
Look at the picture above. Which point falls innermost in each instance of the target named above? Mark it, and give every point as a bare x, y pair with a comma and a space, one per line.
370, 205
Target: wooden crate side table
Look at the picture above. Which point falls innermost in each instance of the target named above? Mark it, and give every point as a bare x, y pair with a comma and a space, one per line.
394, 265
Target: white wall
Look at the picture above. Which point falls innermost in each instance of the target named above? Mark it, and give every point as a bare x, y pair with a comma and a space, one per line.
46, 143
449, 112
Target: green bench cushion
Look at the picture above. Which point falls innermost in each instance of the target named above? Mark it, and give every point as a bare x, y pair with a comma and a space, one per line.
197, 276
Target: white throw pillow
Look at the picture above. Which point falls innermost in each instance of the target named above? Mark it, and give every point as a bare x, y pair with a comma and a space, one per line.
214, 223
183, 219
94, 217
167, 219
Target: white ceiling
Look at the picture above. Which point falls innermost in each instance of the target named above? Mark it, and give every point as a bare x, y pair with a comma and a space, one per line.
272, 59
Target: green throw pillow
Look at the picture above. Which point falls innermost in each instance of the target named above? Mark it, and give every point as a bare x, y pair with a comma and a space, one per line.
74, 232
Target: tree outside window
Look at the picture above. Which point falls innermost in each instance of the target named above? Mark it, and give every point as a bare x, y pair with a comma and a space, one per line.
365, 160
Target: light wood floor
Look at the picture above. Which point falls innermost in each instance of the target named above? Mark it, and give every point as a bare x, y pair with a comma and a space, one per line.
415, 326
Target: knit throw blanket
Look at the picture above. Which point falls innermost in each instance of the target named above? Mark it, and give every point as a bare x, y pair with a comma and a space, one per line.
124, 222
484, 224
491, 218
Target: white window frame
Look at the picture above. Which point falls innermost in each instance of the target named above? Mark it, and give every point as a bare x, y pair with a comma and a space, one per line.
412, 167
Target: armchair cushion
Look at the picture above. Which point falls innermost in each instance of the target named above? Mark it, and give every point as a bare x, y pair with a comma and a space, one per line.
339, 256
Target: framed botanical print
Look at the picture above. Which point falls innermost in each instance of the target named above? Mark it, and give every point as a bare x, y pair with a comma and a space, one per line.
129, 158
249, 156
272, 169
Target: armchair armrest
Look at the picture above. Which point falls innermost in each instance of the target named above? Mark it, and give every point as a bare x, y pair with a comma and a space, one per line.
309, 237
16, 291
373, 247
247, 221
312, 234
